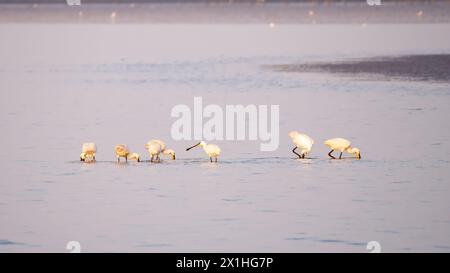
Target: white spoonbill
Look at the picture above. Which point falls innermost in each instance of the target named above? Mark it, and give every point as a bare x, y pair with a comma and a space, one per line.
88, 151
342, 144
211, 150
154, 149
123, 151
303, 142
164, 151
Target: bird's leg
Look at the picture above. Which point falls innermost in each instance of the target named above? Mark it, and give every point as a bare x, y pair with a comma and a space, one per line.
216, 159
293, 150
126, 159
340, 156
330, 155
118, 159
210, 159
151, 160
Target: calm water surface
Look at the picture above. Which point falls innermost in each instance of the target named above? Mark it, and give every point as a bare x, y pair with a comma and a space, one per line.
62, 85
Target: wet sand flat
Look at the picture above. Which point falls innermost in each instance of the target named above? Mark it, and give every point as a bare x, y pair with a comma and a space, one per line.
416, 68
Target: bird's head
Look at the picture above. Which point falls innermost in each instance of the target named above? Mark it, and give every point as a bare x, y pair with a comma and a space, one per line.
354, 151
171, 153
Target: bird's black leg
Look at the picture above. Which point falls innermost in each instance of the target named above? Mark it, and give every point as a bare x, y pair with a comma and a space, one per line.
340, 156
330, 155
126, 159
293, 150
151, 159
210, 159
216, 159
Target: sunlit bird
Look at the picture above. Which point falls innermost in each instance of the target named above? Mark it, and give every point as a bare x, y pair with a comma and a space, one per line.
302, 142
212, 150
342, 144
154, 149
164, 151
88, 151
123, 151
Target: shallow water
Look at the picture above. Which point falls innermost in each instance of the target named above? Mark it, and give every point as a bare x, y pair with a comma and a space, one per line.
62, 85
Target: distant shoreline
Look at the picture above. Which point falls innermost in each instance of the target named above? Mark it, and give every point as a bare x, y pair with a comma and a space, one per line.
224, 13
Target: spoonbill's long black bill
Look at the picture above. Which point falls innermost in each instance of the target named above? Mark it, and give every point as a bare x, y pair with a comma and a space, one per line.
193, 146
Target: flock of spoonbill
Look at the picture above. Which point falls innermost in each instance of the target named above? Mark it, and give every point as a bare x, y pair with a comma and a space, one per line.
156, 147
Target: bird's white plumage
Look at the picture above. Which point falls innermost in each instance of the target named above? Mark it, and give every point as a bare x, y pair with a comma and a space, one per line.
160, 142
302, 141
338, 144
153, 148
88, 151
163, 148
212, 150
121, 150
89, 148
342, 144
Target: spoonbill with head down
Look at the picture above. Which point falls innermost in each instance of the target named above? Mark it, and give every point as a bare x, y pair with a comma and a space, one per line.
342, 144
123, 151
154, 149
164, 151
303, 142
211, 150
88, 151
